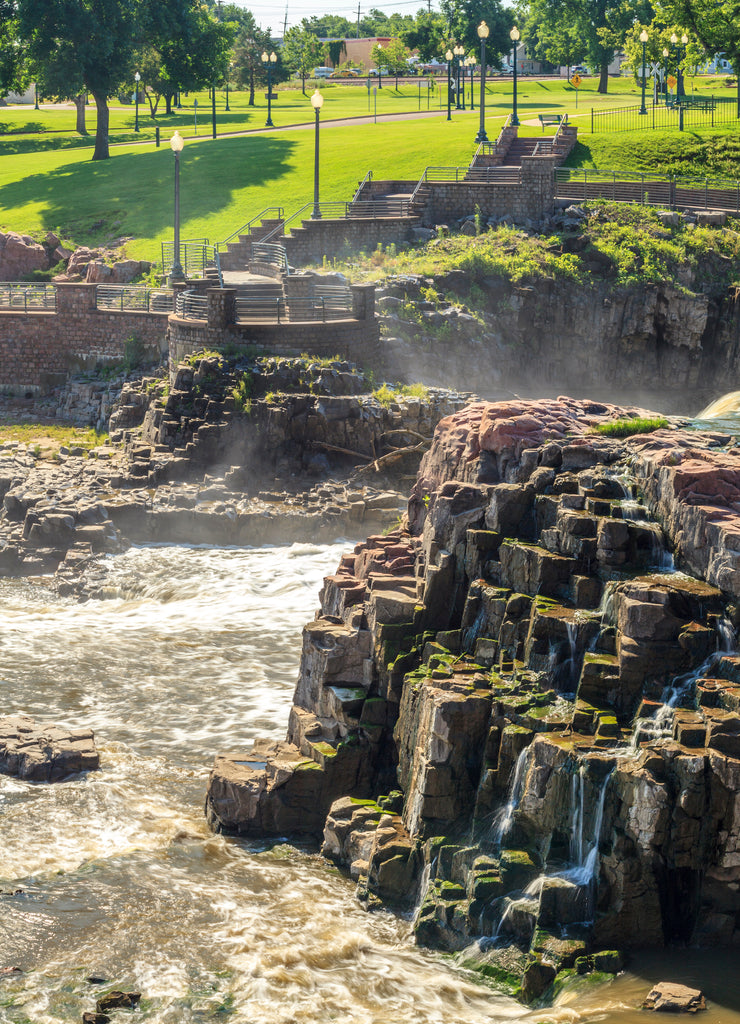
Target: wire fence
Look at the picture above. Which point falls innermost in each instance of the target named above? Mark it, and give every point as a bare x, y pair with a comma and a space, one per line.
691, 112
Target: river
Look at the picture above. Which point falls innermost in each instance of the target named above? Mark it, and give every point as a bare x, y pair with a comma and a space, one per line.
114, 875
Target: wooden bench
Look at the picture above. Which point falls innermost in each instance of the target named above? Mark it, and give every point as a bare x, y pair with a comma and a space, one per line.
547, 119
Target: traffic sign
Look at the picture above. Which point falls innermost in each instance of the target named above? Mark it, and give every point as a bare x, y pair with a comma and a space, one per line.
672, 81
576, 81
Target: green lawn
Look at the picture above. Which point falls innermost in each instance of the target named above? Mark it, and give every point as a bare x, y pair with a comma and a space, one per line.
26, 129
228, 182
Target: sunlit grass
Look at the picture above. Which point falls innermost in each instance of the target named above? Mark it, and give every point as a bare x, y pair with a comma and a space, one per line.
45, 439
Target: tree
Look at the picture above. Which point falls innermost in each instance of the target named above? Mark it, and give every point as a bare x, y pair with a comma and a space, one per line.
93, 39
659, 39
556, 40
334, 50
301, 52
393, 55
463, 18
715, 23
427, 35
13, 65
251, 43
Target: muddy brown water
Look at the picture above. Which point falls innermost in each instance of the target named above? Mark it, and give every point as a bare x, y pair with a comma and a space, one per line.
114, 875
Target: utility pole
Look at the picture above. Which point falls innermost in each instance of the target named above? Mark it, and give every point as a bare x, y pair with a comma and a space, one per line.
285, 21
358, 21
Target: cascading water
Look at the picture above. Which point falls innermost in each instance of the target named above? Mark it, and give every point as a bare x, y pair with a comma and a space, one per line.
584, 871
115, 874
503, 820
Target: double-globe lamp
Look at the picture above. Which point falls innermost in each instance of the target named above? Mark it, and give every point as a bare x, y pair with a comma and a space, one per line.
317, 102
176, 274
483, 31
643, 40
459, 52
448, 57
137, 79
514, 36
269, 61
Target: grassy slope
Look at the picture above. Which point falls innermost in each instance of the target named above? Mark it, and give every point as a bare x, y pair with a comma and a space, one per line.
226, 183
713, 152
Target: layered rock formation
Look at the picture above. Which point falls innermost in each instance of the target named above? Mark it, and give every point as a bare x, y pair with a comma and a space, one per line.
522, 715
44, 753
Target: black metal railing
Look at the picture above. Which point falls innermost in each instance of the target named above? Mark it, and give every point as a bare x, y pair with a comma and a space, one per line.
269, 213
579, 184
302, 309
198, 258
693, 112
139, 298
337, 210
19, 297
271, 253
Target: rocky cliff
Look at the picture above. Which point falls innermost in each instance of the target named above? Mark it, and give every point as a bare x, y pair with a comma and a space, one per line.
521, 716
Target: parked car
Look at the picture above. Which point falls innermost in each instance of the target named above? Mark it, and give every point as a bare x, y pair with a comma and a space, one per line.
321, 73
578, 70
434, 67
346, 73
374, 72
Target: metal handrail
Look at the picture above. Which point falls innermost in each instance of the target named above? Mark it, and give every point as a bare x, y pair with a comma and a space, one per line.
651, 189
189, 305
246, 228
15, 295
365, 181
271, 253
134, 297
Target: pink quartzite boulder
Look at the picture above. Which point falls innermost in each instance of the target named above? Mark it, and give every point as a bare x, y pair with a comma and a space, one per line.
19, 256
669, 997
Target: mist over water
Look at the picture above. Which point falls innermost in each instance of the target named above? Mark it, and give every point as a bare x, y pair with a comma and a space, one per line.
115, 875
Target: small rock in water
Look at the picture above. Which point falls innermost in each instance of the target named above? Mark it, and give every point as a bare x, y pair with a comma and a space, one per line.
95, 1018
95, 980
115, 1000
669, 997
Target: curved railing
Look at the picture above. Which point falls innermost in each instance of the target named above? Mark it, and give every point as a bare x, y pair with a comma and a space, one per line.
189, 305
134, 297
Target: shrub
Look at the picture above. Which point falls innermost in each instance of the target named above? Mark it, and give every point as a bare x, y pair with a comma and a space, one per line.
627, 427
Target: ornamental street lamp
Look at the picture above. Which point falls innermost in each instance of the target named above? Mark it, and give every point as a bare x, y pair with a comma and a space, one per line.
483, 31
448, 58
666, 54
317, 101
514, 36
460, 91
470, 63
643, 40
228, 75
176, 274
269, 61
137, 79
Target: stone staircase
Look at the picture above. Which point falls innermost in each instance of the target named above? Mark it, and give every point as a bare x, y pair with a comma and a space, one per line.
238, 253
518, 148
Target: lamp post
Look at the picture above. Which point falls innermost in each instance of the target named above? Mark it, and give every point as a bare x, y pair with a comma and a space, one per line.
471, 62
459, 90
269, 61
317, 101
483, 31
643, 40
176, 274
665, 76
448, 58
228, 75
380, 65
137, 79
680, 52
514, 36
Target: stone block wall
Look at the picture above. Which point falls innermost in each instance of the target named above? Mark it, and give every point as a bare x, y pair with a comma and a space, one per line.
40, 349
318, 238
532, 199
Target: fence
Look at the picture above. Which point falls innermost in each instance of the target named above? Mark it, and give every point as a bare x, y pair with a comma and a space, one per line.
24, 296
578, 184
693, 112
191, 306
134, 297
197, 258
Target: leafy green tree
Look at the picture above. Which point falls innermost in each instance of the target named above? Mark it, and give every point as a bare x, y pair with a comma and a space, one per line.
392, 55
427, 35
334, 50
301, 52
659, 39
251, 43
13, 64
329, 26
463, 18
715, 24
95, 40
553, 39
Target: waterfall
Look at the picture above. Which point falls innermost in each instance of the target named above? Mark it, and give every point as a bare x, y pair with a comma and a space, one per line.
584, 871
606, 610
660, 557
423, 886
577, 797
726, 637
502, 821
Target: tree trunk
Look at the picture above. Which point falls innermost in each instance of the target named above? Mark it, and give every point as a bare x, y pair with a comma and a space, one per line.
101, 128
303, 82
603, 79
156, 97
80, 102
251, 87
168, 102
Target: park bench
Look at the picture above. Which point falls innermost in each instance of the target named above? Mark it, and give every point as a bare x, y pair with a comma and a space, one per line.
547, 119
698, 103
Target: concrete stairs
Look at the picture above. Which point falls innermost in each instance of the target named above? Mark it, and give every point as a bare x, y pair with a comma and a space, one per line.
238, 253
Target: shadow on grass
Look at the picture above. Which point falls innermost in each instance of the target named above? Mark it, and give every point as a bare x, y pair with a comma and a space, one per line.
131, 193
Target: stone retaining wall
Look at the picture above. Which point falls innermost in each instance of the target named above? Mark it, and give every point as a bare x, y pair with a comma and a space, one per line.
530, 200
40, 349
356, 338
